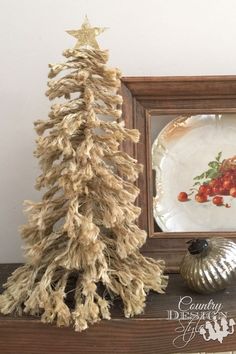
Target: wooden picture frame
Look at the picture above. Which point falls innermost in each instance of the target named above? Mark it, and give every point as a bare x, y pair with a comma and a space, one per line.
144, 97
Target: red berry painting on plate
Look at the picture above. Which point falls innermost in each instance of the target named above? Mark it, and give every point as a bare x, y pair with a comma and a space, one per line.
214, 184
194, 159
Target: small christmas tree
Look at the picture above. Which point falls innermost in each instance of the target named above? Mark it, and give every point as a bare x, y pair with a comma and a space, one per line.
84, 227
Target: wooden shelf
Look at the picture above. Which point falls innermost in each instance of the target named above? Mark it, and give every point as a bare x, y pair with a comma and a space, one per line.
150, 333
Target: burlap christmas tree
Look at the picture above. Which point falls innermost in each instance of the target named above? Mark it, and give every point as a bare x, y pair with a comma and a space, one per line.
84, 226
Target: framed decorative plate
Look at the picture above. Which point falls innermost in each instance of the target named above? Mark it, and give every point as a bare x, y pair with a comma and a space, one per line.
204, 133
195, 163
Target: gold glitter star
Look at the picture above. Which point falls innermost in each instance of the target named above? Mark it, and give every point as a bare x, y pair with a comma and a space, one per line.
86, 36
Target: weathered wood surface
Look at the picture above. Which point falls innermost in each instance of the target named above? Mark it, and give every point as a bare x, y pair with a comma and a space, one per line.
149, 333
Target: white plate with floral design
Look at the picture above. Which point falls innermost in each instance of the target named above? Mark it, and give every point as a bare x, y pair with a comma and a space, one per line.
195, 162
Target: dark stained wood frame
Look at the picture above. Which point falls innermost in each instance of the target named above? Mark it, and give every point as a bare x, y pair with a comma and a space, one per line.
145, 97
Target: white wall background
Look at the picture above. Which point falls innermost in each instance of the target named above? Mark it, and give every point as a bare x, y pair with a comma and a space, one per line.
150, 37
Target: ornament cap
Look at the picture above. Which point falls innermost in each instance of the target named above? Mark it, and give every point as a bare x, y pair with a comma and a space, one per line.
197, 246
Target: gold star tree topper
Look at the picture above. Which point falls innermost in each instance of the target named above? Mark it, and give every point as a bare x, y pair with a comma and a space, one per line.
86, 36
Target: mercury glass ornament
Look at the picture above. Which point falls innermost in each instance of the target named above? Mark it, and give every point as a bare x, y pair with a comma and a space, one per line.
209, 265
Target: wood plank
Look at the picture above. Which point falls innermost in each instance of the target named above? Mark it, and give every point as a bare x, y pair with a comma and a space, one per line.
181, 86
149, 333
188, 106
127, 114
108, 337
